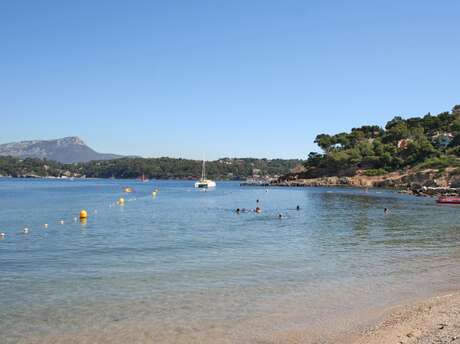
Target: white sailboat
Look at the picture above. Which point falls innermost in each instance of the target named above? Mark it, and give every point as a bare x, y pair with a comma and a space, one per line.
203, 182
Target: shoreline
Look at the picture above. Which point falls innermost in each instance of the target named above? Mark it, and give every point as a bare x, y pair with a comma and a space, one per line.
425, 321
432, 320
428, 182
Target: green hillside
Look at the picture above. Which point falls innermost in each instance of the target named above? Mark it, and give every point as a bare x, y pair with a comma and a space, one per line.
428, 141
158, 168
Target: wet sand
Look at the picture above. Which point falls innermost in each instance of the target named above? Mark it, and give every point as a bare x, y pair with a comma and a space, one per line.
436, 320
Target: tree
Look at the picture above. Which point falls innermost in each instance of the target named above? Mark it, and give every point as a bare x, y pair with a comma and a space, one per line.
418, 151
431, 124
324, 141
396, 130
342, 139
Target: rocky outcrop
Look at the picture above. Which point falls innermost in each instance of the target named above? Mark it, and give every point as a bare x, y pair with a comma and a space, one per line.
422, 182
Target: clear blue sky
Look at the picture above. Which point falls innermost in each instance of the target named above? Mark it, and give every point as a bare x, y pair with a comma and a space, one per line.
221, 78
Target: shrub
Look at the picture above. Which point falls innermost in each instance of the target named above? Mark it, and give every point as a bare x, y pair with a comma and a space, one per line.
374, 172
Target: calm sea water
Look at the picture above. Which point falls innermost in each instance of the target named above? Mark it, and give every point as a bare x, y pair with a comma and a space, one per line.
183, 267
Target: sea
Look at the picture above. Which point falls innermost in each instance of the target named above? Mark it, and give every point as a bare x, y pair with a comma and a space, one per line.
181, 266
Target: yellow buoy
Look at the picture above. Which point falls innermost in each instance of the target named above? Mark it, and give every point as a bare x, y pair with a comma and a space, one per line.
154, 194
83, 214
121, 201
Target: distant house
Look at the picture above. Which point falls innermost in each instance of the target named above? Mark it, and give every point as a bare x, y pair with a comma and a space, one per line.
443, 139
404, 143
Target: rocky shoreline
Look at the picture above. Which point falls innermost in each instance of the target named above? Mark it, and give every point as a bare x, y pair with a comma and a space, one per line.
429, 182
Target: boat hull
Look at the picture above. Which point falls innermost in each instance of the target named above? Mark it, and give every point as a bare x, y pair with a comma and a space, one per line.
448, 200
205, 184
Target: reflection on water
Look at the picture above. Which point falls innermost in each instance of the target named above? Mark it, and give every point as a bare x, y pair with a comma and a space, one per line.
183, 267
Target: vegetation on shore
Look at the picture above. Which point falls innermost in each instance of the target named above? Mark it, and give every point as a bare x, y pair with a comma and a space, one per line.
154, 168
417, 142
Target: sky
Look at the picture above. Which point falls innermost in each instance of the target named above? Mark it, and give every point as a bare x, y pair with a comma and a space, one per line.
221, 78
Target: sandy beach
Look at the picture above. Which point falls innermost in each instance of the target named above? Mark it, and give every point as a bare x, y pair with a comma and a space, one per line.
436, 320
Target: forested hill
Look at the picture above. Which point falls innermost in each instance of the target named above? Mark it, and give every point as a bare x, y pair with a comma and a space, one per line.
428, 141
159, 168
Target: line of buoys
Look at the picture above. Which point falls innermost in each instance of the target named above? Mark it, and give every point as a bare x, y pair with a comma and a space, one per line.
26, 230
83, 213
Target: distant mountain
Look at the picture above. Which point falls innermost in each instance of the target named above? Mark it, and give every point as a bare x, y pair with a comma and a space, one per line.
66, 150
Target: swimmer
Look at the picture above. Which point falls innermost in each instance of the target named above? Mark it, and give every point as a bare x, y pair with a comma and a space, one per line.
258, 210
280, 216
257, 201
26, 230
298, 207
237, 210
386, 210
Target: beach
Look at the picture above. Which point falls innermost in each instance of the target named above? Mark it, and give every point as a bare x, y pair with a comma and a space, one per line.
435, 320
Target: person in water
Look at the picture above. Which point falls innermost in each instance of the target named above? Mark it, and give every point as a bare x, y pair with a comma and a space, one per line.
258, 210
298, 207
280, 216
386, 210
237, 210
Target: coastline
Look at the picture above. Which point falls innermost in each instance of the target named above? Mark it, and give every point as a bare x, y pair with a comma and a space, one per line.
426, 321
433, 320
428, 182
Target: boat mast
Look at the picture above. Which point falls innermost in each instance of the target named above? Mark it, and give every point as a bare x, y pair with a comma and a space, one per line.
203, 171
